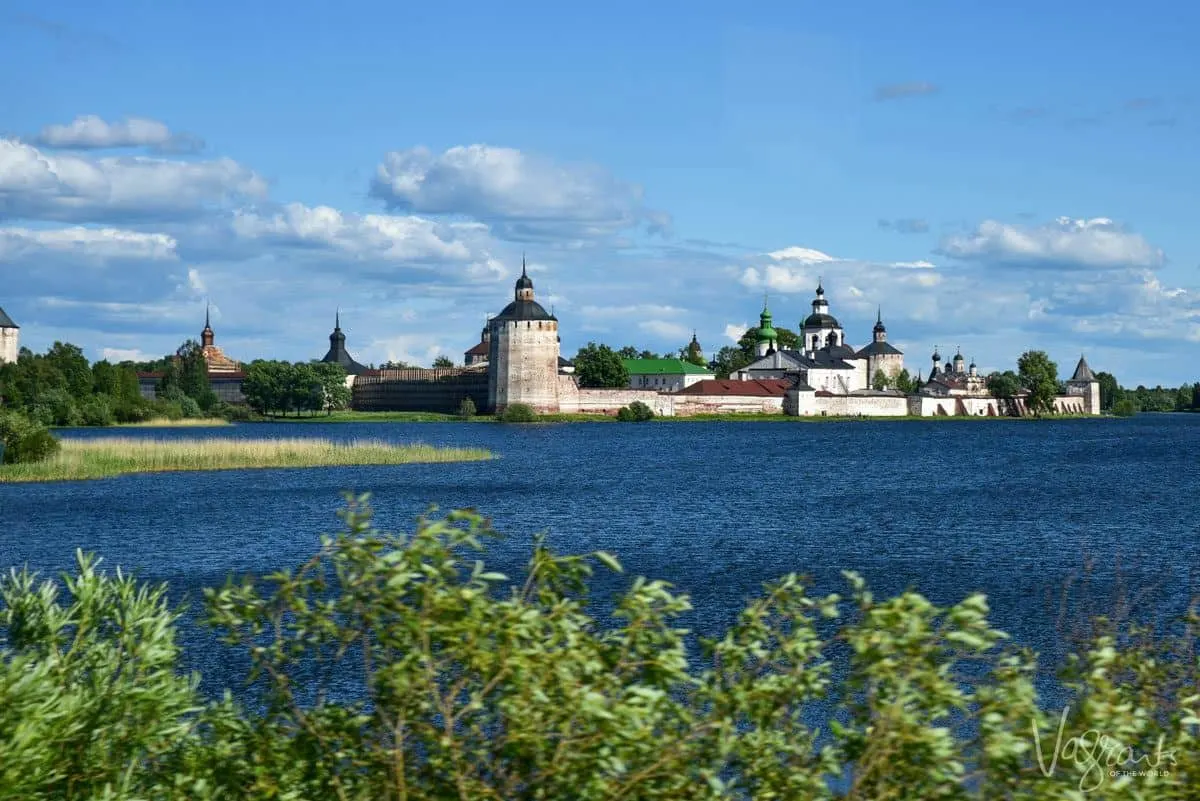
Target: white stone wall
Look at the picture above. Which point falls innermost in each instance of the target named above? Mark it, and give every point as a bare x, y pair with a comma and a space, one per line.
889, 363
574, 400
810, 404
523, 364
10, 344
686, 405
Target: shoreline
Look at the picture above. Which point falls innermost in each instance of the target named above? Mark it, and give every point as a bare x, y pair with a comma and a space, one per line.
738, 417
109, 457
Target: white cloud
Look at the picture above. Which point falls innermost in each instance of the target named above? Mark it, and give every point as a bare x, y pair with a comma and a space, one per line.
87, 132
379, 236
1095, 243
37, 185
915, 265
801, 255
665, 329
196, 281
528, 197
117, 355
91, 243
735, 331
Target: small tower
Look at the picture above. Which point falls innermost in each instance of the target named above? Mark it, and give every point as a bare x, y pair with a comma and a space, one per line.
206, 336
820, 329
959, 363
10, 339
879, 332
1084, 382
937, 362
695, 353
337, 349
766, 338
523, 352
972, 370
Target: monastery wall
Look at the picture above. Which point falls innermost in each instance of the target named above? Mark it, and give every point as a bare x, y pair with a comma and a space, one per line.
572, 399
440, 390
727, 404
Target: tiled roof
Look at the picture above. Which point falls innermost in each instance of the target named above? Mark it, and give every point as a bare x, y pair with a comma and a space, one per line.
758, 387
479, 350
663, 367
6, 321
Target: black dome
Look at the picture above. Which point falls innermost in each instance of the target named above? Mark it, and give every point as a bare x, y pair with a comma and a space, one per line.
524, 310
821, 321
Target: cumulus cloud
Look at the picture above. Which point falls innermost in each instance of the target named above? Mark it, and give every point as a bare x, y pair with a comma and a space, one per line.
665, 329
1065, 243
527, 197
118, 355
380, 236
38, 185
89, 132
896, 91
90, 243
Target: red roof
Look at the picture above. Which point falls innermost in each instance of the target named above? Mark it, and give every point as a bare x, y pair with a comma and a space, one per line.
479, 350
758, 387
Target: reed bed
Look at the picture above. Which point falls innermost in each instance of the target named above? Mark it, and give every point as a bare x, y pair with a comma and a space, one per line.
113, 456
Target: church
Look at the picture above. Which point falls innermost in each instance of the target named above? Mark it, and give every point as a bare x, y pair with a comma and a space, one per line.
824, 361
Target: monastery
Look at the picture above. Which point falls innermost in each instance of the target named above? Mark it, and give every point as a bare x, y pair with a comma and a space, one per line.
518, 360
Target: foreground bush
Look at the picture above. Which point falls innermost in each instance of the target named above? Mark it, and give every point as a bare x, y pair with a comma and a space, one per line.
473, 687
25, 441
518, 413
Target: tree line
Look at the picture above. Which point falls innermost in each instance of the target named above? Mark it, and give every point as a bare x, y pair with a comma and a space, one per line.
280, 388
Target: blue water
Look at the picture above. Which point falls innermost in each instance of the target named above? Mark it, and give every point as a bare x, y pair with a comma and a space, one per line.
1010, 508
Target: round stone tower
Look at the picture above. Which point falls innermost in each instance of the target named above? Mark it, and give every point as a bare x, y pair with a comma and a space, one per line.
523, 353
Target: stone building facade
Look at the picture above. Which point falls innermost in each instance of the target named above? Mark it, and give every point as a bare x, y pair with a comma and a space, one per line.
10, 339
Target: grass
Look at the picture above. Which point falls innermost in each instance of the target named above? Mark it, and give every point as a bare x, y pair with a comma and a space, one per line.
115, 456
184, 422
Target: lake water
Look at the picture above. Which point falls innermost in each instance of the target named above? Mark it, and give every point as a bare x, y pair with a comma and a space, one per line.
1007, 507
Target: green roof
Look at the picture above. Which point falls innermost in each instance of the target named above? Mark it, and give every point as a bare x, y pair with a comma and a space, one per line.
663, 367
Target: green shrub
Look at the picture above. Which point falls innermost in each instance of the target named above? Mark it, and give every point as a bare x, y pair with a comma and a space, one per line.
466, 409
1125, 408
636, 412
25, 440
190, 408
518, 413
97, 411
477, 687
137, 410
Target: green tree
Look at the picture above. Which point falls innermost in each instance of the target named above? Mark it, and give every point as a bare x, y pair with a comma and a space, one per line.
1125, 407
265, 386
729, 360
598, 366
69, 360
1183, 398
1110, 390
518, 413
1004, 385
332, 378
442, 362
466, 409
1039, 375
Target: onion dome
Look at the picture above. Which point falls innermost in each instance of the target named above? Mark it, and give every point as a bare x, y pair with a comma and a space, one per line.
937, 357
879, 327
766, 331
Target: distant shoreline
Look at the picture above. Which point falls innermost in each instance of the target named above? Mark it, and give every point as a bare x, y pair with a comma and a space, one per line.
435, 417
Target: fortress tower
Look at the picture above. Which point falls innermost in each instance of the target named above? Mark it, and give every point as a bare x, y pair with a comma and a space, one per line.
10, 339
1085, 384
523, 353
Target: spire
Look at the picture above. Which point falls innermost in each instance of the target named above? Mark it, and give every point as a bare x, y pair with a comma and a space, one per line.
337, 319
523, 274
820, 287
206, 305
878, 315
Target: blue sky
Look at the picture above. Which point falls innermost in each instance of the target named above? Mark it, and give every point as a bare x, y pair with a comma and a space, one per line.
1000, 177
